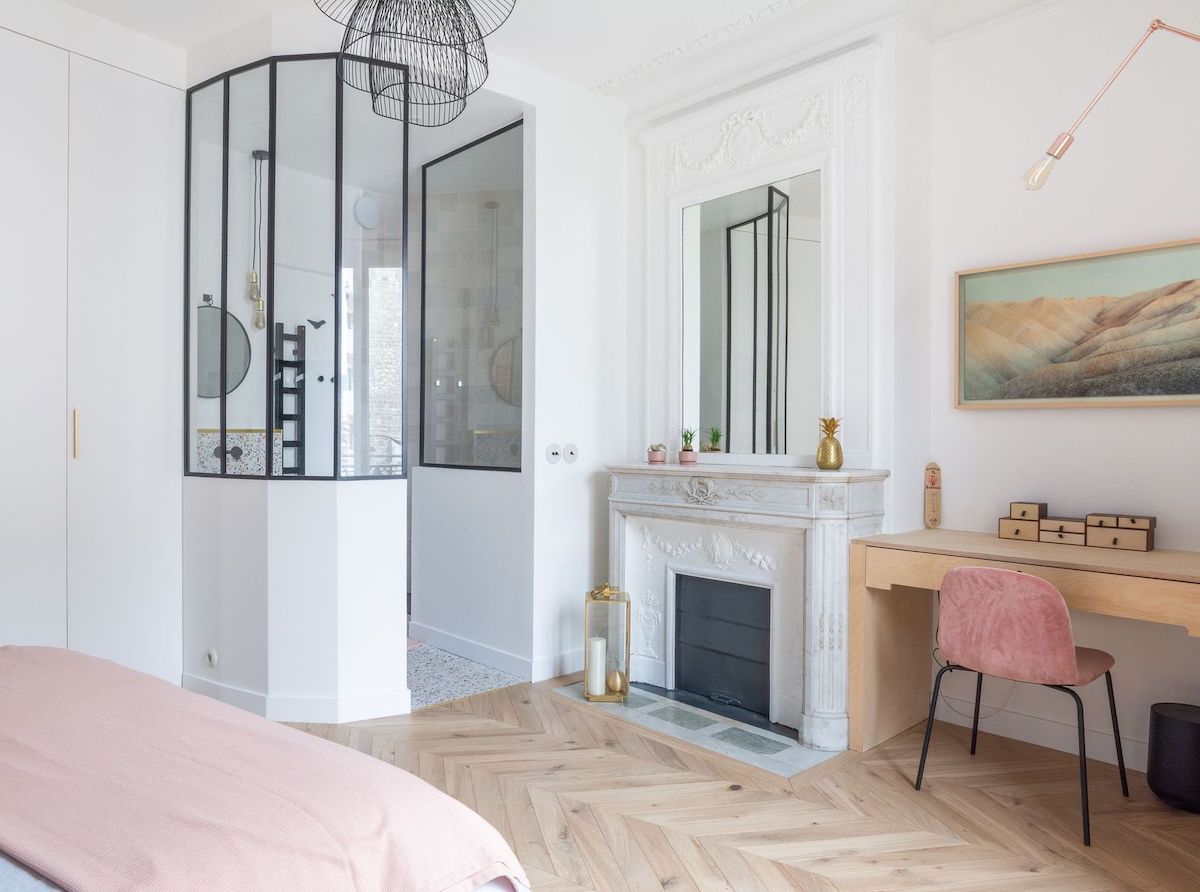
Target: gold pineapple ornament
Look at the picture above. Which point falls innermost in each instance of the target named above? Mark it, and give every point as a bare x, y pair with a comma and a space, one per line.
829, 452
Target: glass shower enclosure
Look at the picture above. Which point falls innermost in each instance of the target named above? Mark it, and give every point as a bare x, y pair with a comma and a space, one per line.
296, 239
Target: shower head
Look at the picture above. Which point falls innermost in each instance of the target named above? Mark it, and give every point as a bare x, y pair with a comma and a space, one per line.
260, 154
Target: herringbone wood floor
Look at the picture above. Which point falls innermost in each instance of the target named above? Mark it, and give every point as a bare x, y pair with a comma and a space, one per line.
591, 802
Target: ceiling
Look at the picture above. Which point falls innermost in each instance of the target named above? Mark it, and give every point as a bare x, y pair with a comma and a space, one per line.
183, 23
590, 42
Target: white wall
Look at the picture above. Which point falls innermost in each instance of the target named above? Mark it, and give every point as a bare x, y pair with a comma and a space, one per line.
33, 344
579, 327
298, 587
545, 528
1000, 94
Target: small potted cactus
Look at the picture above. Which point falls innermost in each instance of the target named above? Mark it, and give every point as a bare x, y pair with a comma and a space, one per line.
714, 440
656, 453
687, 455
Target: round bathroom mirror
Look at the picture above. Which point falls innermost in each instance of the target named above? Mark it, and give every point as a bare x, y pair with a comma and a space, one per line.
367, 212
506, 371
208, 352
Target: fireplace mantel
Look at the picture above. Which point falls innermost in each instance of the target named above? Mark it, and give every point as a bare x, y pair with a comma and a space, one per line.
786, 529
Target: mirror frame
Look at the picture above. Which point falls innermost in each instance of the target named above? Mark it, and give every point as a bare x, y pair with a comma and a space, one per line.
824, 114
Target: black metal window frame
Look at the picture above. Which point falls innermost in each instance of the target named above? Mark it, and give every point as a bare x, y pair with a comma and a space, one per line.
225, 78
424, 315
771, 395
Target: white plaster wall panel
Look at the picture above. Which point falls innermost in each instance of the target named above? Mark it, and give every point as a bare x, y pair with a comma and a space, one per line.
472, 554
33, 344
372, 604
225, 589
818, 117
124, 490
302, 590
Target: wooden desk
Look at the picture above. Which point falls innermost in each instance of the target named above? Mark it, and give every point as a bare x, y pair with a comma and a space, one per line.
891, 611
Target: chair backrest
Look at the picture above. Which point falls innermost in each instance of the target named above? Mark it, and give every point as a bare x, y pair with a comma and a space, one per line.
1006, 624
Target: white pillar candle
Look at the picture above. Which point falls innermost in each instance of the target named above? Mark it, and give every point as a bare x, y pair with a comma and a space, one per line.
596, 664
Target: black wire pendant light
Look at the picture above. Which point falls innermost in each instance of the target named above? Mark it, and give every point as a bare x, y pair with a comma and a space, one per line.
489, 14
439, 43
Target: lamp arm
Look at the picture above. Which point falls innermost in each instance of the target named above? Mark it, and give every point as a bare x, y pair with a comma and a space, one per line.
1060, 145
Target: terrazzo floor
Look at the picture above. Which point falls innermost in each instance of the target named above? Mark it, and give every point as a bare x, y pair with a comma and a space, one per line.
435, 676
754, 746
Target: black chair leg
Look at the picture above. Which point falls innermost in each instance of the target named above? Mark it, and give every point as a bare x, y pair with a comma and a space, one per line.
937, 684
1083, 784
1112, 707
975, 721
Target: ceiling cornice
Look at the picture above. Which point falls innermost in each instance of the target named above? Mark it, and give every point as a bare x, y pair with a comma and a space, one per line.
734, 29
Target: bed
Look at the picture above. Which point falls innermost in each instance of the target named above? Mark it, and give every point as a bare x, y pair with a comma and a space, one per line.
111, 779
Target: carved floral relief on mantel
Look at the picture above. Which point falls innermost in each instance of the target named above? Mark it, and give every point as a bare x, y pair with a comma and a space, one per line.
785, 531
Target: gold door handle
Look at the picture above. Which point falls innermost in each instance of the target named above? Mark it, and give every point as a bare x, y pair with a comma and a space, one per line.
74, 433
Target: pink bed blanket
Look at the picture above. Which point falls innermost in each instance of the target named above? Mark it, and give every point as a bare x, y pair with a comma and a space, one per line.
111, 779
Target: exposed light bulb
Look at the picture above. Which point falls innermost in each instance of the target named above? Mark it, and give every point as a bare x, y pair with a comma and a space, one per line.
1037, 175
254, 295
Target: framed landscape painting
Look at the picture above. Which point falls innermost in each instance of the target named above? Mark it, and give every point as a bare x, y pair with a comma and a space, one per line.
1120, 328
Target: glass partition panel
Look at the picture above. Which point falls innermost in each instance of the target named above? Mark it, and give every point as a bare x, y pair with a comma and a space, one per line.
297, 236
371, 340
304, 321
472, 270
204, 287
247, 438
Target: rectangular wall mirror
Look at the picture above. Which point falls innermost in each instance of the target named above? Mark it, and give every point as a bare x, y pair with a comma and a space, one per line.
752, 317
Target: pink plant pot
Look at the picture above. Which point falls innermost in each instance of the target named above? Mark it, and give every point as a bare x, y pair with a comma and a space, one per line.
687, 457
656, 458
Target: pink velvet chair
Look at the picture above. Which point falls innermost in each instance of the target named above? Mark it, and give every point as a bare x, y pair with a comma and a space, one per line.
1016, 626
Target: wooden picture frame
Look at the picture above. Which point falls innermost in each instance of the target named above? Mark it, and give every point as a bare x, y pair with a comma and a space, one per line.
1065, 339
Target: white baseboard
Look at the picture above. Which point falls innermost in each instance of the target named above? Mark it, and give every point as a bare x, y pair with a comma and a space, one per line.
1052, 733
251, 701
648, 670
322, 710
339, 710
558, 664
473, 650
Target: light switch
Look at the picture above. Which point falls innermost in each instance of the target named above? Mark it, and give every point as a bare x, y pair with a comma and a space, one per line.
570, 453
554, 453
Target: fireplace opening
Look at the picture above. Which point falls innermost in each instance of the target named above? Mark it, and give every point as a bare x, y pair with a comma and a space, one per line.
723, 643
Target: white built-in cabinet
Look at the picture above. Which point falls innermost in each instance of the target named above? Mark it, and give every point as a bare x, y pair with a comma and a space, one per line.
91, 186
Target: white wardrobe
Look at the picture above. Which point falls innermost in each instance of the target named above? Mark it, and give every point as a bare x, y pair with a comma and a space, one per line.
91, 244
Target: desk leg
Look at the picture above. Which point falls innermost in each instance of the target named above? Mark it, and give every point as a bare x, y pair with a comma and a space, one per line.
891, 639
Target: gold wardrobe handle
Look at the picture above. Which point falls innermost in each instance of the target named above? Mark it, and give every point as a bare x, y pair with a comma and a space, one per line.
74, 433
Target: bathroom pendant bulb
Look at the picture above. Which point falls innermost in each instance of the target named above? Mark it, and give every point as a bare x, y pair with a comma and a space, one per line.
254, 294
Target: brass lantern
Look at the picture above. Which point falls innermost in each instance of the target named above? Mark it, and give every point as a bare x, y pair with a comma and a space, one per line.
606, 616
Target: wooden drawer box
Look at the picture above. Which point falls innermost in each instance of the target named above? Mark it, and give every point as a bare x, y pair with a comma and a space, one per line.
1062, 538
1018, 529
1063, 525
1102, 520
1027, 510
1136, 523
1125, 539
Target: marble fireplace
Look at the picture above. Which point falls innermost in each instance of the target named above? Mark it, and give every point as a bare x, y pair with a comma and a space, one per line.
783, 529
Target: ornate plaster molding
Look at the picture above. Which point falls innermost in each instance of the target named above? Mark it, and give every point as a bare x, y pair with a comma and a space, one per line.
673, 57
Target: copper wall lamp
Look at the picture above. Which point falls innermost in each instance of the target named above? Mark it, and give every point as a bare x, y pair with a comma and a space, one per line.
1036, 176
